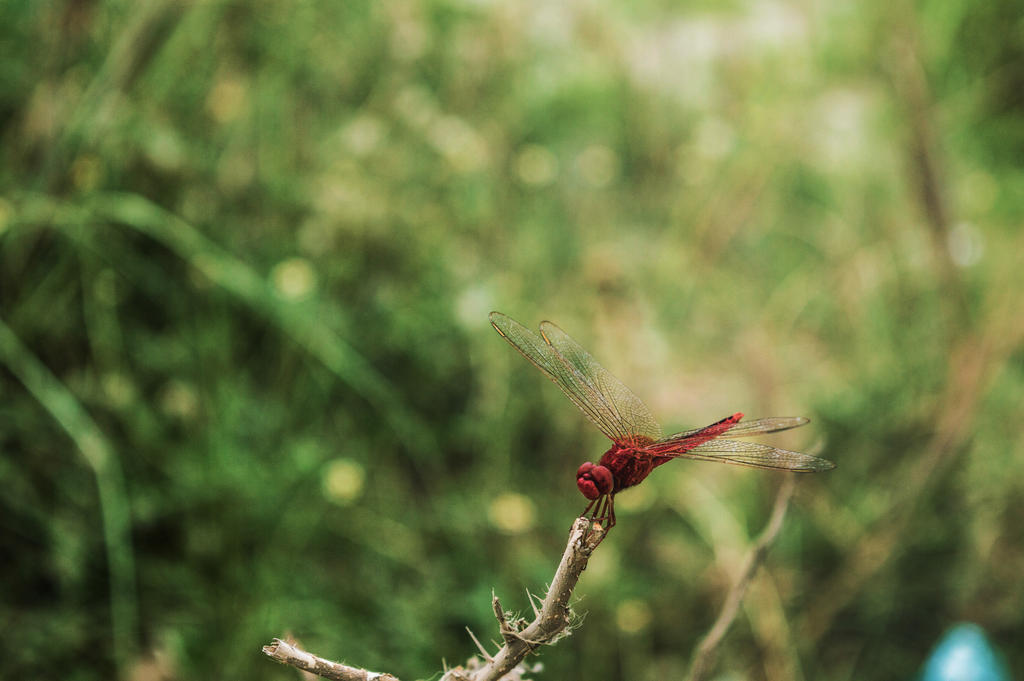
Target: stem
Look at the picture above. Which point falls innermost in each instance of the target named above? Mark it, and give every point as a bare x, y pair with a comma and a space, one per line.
115, 510
286, 653
707, 649
553, 617
551, 620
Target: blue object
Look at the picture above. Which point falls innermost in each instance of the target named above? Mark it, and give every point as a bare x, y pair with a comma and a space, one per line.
964, 654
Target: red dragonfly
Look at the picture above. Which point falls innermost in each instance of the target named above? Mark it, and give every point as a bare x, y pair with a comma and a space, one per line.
637, 443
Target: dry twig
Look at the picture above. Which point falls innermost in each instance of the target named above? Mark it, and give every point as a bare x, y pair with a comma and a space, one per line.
707, 649
553, 618
286, 653
550, 623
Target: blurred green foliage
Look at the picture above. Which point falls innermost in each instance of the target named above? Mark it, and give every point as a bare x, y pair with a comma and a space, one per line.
247, 251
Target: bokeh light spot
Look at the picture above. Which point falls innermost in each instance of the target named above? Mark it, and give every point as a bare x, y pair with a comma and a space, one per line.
343, 481
633, 616
226, 99
178, 399
119, 389
512, 513
294, 279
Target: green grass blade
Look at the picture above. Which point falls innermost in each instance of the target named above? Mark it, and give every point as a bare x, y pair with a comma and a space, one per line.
115, 509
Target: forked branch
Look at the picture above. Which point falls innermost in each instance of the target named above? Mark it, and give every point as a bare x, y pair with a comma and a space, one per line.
553, 617
550, 622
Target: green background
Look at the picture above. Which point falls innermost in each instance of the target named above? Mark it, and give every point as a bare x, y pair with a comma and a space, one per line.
248, 387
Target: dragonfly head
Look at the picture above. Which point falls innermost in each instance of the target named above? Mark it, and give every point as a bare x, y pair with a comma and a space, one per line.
594, 481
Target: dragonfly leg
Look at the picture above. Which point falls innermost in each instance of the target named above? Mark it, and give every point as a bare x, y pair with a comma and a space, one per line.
590, 525
604, 511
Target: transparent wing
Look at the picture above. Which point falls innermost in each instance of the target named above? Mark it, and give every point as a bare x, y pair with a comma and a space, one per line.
772, 424
572, 382
753, 454
626, 408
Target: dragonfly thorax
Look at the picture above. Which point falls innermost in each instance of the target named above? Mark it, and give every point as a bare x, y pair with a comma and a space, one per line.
628, 463
593, 481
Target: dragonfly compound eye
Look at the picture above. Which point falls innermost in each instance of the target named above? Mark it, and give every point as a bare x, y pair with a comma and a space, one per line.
593, 481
